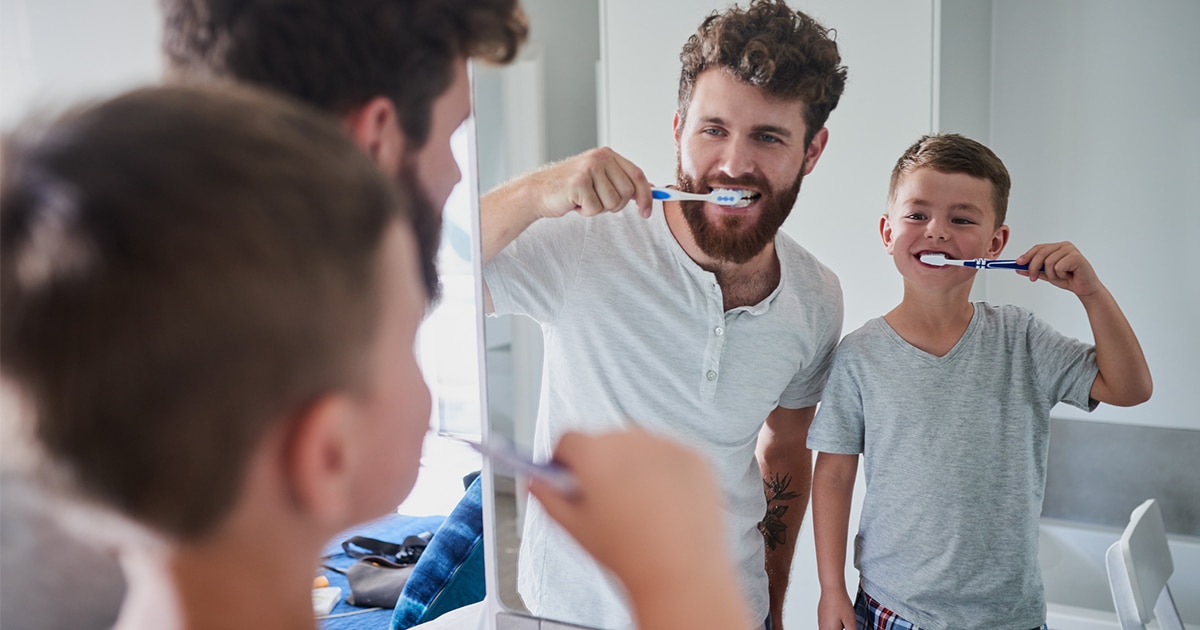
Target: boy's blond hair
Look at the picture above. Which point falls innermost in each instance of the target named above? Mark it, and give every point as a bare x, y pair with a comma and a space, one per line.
954, 153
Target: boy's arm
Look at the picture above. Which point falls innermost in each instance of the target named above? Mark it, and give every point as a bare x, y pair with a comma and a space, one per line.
1124, 378
833, 487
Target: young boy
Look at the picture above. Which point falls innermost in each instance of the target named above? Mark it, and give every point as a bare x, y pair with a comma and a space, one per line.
208, 302
949, 402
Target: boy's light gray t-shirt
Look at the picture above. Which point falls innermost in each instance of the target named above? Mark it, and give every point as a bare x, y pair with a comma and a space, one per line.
954, 450
636, 334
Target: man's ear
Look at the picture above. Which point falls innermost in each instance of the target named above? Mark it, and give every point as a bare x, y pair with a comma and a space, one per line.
677, 128
813, 151
375, 128
320, 458
999, 240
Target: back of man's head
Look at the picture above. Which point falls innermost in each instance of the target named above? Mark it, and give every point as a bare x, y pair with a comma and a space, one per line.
180, 269
338, 54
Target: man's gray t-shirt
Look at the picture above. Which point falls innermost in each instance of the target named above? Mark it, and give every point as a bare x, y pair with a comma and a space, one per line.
636, 334
954, 450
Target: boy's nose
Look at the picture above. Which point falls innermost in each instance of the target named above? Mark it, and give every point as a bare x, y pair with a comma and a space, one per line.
936, 230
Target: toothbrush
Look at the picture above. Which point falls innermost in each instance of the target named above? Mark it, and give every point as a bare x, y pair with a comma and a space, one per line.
722, 196
503, 452
940, 260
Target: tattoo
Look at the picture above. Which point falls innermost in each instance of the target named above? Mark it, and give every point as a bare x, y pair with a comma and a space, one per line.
772, 527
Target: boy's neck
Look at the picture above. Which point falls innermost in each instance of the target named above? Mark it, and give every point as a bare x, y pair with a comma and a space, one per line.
932, 321
263, 583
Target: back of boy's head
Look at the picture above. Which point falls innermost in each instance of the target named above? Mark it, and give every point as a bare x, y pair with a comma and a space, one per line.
180, 269
954, 153
338, 54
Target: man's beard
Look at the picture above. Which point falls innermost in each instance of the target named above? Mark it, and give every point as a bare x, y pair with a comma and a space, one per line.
733, 240
427, 226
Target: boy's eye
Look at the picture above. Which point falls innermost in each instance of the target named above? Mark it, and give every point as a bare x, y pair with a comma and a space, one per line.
962, 221
915, 216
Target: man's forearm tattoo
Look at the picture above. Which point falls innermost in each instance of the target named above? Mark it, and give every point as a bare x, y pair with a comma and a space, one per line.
772, 527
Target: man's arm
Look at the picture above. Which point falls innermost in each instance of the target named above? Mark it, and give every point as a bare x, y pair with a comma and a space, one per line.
833, 488
786, 465
596, 181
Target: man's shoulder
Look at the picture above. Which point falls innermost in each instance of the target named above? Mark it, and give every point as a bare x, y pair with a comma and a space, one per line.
803, 266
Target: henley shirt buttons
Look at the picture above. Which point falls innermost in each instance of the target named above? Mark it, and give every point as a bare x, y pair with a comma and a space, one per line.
712, 376
719, 331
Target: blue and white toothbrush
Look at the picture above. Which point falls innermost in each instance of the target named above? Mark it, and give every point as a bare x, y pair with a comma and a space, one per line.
940, 260
720, 196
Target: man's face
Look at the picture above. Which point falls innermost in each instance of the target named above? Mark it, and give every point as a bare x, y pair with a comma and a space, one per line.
735, 136
433, 171
437, 170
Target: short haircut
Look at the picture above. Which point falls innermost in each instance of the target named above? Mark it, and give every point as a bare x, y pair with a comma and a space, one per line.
180, 270
786, 53
338, 54
954, 153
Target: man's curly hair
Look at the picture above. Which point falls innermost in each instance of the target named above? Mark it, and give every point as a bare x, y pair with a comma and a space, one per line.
767, 44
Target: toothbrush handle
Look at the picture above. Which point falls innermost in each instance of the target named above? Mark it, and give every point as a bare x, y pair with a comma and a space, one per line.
984, 263
659, 193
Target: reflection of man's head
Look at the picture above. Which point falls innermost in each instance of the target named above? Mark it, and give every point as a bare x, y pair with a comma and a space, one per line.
789, 56
337, 56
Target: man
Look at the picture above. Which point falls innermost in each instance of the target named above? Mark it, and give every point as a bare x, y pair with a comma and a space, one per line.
394, 72
705, 324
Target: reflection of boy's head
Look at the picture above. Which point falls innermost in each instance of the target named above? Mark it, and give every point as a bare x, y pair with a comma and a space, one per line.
183, 272
952, 153
784, 52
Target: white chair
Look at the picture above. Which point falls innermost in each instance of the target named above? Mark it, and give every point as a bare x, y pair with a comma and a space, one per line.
1138, 567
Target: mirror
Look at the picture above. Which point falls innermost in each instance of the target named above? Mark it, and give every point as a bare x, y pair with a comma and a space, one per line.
539, 109
1038, 81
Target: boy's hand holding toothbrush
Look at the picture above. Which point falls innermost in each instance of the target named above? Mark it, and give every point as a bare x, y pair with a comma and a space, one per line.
1063, 266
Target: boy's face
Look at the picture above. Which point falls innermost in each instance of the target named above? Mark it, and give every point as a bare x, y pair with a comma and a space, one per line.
394, 404
941, 213
736, 136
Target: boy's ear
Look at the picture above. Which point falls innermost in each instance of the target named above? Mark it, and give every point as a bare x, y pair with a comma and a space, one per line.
999, 241
885, 232
320, 458
375, 128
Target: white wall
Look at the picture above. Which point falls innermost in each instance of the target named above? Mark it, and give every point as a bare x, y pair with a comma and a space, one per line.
54, 53
1096, 111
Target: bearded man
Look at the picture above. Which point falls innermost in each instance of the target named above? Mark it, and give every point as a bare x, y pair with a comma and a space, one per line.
703, 322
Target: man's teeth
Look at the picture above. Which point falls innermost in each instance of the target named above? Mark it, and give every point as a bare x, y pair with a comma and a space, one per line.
748, 197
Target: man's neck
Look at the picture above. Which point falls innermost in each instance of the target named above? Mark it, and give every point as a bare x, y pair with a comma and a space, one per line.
742, 284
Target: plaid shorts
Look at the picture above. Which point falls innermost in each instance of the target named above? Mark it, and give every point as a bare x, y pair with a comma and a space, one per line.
871, 615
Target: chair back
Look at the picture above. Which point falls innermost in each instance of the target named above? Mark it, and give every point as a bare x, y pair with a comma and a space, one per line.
1139, 565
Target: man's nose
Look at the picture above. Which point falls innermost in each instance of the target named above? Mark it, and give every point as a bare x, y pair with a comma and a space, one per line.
737, 158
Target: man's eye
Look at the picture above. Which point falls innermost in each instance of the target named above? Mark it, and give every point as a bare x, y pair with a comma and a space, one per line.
769, 139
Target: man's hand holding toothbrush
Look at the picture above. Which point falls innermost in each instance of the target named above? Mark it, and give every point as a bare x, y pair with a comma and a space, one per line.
591, 183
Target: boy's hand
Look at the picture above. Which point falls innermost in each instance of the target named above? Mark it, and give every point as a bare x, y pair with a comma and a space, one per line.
835, 612
1063, 266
